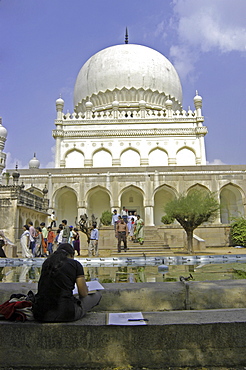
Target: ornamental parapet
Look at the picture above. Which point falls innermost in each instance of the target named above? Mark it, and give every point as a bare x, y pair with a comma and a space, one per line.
131, 133
129, 114
8, 193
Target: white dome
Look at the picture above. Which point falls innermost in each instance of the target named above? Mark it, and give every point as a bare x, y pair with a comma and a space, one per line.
34, 162
3, 131
127, 73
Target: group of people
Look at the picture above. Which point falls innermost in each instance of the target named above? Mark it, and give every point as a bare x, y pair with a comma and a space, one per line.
127, 225
40, 241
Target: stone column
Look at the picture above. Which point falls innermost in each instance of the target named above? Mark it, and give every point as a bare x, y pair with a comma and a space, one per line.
149, 215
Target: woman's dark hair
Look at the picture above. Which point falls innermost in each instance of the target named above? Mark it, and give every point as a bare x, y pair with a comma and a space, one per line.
39, 229
26, 227
57, 259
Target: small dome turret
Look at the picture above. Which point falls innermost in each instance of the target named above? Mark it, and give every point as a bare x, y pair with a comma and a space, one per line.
3, 131
34, 162
197, 99
16, 175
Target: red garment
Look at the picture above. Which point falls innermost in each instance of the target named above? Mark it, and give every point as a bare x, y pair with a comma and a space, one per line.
51, 237
10, 310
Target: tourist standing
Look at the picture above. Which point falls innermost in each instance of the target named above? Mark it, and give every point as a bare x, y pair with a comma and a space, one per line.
32, 232
93, 245
122, 232
76, 241
53, 219
25, 242
38, 242
114, 218
44, 240
131, 228
124, 214
139, 231
66, 232
50, 239
60, 232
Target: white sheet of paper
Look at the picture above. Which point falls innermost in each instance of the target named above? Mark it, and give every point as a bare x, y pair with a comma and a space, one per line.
92, 285
123, 318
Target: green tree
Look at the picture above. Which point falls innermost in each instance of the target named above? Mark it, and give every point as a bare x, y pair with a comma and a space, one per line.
238, 231
106, 218
191, 211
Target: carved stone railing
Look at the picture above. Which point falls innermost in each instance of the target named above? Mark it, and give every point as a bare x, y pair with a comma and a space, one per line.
23, 197
128, 114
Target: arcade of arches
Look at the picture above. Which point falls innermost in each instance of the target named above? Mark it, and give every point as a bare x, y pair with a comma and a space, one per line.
67, 204
128, 158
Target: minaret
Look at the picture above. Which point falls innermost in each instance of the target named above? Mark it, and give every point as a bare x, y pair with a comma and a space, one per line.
3, 137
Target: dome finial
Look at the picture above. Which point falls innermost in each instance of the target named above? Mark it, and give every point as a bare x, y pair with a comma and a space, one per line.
126, 37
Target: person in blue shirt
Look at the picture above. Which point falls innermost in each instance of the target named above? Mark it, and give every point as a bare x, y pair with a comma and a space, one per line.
93, 245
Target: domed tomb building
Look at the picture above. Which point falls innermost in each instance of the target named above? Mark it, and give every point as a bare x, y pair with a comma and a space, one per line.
128, 112
129, 142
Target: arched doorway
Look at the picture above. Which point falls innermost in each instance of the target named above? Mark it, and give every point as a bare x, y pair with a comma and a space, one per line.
163, 195
198, 187
66, 205
132, 199
231, 203
98, 201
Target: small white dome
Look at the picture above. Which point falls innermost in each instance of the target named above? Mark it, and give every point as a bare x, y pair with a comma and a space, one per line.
34, 162
60, 101
132, 72
3, 131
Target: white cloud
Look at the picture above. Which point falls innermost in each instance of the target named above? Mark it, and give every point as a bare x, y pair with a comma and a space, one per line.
204, 26
184, 60
12, 162
51, 164
216, 162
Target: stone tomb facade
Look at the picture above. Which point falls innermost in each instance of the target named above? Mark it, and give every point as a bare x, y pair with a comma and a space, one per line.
129, 142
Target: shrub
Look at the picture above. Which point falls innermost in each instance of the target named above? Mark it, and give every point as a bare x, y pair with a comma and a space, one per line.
106, 218
238, 231
167, 220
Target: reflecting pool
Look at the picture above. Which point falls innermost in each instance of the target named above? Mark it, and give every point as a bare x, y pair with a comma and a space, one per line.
137, 269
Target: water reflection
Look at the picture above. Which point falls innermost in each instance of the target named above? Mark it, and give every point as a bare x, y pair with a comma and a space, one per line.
19, 271
19, 274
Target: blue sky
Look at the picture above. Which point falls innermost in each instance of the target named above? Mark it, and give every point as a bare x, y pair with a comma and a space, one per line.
43, 45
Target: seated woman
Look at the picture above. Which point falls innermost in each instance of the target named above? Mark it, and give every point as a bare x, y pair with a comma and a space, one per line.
55, 301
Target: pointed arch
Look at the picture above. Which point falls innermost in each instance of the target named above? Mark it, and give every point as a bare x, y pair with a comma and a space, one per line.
74, 158
162, 195
198, 187
186, 156
102, 158
130, 157
158, 157
132, 198
231, 201
98, 200
65, 200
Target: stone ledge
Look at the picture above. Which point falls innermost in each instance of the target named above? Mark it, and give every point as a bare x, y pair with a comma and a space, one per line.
168, 296
170, 339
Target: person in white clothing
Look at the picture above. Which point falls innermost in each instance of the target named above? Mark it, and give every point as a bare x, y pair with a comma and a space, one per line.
25, 242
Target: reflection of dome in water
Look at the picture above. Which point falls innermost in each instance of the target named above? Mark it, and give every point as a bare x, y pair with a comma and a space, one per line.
127, 73
34, 162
